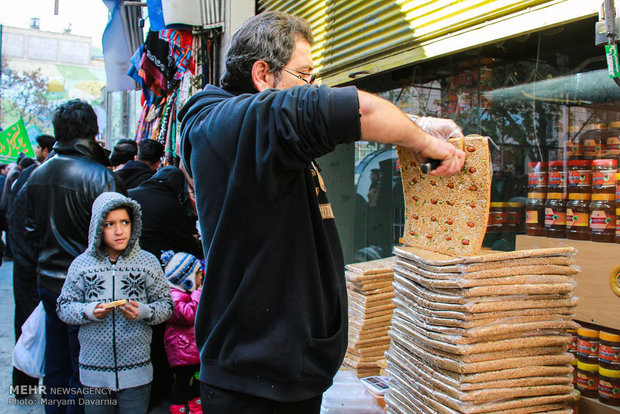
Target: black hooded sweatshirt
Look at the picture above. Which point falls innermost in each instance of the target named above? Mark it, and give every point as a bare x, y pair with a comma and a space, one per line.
134, 173
272, 319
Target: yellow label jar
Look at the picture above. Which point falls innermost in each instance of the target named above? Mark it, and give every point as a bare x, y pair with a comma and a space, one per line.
609, 386
587, 345
587, 379
609, 350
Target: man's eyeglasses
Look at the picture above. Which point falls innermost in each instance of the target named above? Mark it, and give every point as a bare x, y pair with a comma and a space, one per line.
298, 74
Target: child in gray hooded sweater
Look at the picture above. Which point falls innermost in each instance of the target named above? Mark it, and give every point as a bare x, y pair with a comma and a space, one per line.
115, 360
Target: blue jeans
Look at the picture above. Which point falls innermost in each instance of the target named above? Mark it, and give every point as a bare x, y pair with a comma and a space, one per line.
130, 400
62, 350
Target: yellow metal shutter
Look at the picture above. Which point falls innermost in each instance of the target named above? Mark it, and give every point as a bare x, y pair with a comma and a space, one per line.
366, 37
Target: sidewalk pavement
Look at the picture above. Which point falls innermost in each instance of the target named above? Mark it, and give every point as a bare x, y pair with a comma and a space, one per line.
7, 341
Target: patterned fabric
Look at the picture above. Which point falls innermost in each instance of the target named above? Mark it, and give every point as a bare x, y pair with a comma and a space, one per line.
115, 351
180, 49
142, 123
181, 270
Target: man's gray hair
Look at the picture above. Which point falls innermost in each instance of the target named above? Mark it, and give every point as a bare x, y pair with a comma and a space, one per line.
269, 36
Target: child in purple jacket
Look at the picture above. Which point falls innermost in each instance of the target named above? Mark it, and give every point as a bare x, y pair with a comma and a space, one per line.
184, 275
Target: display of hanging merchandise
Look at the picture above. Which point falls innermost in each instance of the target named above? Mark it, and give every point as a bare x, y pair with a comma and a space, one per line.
483, 333
448, 214
370, 293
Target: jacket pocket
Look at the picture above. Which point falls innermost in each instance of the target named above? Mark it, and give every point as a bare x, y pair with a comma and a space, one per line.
323, 356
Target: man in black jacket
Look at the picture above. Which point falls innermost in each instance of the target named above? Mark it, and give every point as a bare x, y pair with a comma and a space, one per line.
272, 321
136, 172
59, 196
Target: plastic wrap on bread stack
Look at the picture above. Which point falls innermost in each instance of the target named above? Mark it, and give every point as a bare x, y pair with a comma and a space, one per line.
474, 331
370, 293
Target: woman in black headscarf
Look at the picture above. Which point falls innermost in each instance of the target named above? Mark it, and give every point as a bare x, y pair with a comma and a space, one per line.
168, 223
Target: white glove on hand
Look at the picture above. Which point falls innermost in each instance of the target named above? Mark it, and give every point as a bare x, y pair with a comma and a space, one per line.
438, 127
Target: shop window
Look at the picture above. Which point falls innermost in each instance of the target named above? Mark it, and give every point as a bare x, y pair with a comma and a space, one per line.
531, 95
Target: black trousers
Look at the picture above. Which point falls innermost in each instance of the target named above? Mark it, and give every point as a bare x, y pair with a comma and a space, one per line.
185, 386
26, 299
219, 401
162, 373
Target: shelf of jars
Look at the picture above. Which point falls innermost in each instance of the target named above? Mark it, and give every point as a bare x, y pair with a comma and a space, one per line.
574, 201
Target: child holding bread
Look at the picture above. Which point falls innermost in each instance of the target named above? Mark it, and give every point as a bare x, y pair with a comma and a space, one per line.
115, 291
184, 273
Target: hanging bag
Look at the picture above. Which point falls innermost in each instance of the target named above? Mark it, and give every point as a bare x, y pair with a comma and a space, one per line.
29, 351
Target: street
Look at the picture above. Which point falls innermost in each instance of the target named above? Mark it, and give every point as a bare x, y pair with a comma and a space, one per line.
30, 406
6, 346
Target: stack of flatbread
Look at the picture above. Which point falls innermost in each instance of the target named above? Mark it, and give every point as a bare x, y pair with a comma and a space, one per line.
370, 292
481, 334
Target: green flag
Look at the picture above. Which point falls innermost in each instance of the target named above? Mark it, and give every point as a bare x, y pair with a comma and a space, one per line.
13, 141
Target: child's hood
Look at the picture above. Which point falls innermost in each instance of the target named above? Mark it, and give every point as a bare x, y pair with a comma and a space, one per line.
103, 204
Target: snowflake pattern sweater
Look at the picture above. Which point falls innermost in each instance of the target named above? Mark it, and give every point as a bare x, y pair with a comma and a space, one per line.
115, 351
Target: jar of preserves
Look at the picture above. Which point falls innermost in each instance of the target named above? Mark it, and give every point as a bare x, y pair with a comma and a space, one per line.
572, 347
579, 176
587, 345
578, 216
555, 215
594, 140
516, 217
604, 173
612, 143
609, 350
603, 218
537, 177
573, 146
609, 386
556, 180
535, 214
587, 379
574, 366
498, 217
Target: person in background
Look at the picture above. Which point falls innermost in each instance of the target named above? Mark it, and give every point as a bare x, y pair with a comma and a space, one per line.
3, 172
59, 197
148, 160
115, 357
25, 293
271, 325
169, 223
168, 217
45, 144
23, 162
125, 150
184, 275
4, 169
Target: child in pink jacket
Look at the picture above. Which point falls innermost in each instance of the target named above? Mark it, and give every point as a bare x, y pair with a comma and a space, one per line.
184, 275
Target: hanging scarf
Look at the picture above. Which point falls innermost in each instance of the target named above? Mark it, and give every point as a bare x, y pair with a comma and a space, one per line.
180, 49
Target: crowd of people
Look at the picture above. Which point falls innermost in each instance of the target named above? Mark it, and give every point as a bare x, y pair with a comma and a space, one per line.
109, 243
78, 242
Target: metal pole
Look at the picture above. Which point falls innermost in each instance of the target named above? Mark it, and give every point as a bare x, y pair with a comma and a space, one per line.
610, 21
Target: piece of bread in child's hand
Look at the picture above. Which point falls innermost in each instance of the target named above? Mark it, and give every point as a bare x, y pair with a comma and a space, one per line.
114, 304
